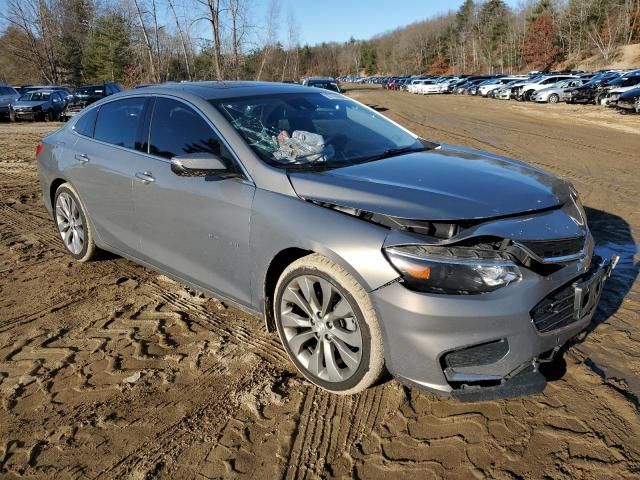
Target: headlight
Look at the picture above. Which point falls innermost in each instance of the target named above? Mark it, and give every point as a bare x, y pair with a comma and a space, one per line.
452, 270
575, 210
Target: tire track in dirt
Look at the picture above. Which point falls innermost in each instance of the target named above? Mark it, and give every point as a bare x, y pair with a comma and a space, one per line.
329, 426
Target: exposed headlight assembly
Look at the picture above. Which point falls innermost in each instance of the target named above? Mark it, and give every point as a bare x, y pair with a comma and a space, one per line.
452, 270
574, 209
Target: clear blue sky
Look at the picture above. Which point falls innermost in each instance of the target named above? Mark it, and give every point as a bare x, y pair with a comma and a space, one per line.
337, 20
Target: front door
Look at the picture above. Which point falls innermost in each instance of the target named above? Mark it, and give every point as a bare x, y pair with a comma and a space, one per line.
194, 227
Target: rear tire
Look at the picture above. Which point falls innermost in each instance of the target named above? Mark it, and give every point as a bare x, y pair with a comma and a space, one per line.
73, 223
328, 326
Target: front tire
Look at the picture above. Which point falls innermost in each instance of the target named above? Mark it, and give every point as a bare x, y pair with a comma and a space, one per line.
328, 326
73, 224
554, 98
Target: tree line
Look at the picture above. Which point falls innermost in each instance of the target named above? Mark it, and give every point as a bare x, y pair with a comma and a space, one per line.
140, 41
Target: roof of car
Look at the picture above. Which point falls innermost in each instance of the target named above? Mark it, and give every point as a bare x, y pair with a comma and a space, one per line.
43, 90
225, 89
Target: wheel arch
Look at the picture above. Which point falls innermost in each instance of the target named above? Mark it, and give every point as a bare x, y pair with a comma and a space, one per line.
53, 187
278, 264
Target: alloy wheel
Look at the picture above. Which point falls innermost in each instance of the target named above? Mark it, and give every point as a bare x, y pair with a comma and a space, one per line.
69, 223
320, 328
553, 98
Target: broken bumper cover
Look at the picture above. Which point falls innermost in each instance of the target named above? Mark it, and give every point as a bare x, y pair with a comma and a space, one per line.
475, 347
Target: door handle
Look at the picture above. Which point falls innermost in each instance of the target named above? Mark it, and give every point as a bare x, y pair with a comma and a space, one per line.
81, 157
145, 177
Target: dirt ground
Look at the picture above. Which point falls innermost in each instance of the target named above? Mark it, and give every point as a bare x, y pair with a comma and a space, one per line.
109, 370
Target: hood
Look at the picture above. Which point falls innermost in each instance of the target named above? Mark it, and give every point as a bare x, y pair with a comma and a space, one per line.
623, 89
6, 99
446, 184
32, 104
634, 92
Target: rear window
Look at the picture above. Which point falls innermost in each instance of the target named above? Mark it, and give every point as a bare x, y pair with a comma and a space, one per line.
118, 122
86, 123
95, 91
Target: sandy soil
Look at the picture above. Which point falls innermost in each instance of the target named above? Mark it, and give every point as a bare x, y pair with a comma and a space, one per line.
109, 370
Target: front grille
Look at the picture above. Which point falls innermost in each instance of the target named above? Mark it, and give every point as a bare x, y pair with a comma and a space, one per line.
555, 311
555, 248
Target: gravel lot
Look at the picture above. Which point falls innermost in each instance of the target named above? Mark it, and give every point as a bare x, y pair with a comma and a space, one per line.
110, 370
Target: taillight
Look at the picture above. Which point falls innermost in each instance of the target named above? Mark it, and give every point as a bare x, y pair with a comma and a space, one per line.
39, 149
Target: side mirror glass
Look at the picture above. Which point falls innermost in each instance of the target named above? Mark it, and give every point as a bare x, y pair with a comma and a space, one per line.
201, 164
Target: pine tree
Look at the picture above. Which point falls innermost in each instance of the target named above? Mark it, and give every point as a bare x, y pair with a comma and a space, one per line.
107, 55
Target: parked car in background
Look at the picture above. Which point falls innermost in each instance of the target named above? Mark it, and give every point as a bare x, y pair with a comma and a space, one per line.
360, 243
414, 86
85, 95
526, 90
8, 96
32, 88
620, 85
327, 83
503, 92
558, 92
488, 85
629, 101
426, 87
40, 105
471, 87
588, 92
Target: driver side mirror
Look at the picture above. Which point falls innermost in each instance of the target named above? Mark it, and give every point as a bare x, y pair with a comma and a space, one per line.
202, 164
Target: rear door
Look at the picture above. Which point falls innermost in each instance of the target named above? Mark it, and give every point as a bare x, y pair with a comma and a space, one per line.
102, 161
194, 227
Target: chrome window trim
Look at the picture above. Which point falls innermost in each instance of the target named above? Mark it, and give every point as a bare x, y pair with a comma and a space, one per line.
247, 179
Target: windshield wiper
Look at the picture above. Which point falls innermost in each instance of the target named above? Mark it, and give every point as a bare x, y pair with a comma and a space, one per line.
392, 152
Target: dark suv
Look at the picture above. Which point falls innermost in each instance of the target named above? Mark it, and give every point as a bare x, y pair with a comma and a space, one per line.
85, 95
8, 96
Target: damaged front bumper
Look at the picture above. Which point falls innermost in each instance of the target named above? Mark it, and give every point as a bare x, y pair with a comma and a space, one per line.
479, 347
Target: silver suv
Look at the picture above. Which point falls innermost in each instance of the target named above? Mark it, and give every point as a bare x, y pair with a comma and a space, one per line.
364, 246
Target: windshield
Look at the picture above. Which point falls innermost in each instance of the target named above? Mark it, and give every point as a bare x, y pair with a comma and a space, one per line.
89, 91
35, 96
314, 130
326, 85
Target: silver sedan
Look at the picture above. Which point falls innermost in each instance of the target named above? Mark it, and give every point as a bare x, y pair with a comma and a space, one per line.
363, 245
558, 92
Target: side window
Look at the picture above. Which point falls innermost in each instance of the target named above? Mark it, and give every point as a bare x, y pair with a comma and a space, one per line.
118, 122
86, 123
176, 129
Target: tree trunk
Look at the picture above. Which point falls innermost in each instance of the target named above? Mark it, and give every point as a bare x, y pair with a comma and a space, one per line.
154, 78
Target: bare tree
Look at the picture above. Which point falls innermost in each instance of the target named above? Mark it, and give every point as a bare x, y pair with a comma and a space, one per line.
605, 36
36, 20
154, 76
214, 14
239, 24
271, 33
293, 44
183, 42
